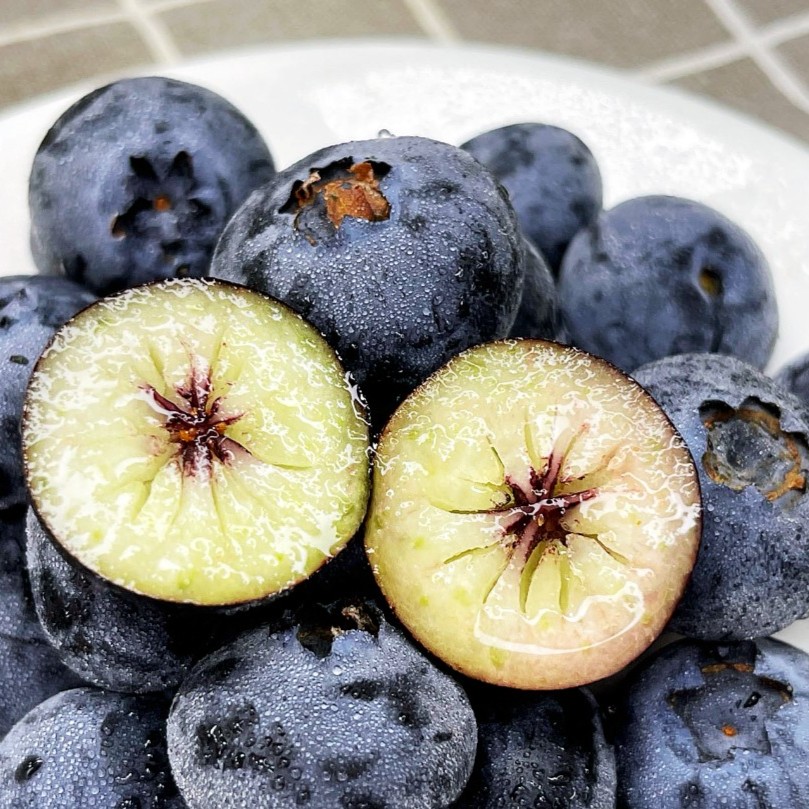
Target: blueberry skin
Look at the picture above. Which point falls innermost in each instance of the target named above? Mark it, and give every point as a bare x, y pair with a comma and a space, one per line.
538, 315
136, 181
551, 177
89, 748
111, 638
660, 275
30, 669
396, 297
751, 578
705, 725
336, 712
540, 749
795, 377
32, 308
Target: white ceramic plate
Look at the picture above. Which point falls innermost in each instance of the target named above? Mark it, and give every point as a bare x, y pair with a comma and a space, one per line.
646, 139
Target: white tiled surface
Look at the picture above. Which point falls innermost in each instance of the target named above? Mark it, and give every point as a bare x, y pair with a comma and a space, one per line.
717, 47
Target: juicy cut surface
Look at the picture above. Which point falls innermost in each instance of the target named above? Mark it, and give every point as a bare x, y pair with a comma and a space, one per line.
535, 515
195, 441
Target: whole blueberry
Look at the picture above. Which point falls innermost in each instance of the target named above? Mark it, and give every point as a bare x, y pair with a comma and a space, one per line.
335, 711
110, 637
707, 725
136, 181
539, 749
660, 275
795, 377
89, 749
551, 177
750, 442
538, 315
31, 309
402, 251
30, 669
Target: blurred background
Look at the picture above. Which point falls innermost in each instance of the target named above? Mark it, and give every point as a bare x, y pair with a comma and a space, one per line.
749, 54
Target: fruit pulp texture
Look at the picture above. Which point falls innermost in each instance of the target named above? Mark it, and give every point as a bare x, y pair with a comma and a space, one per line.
533, 504
195, 441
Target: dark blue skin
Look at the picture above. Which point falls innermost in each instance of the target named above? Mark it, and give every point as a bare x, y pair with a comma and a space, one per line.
112, 638
659, 275
795, 377
538, 315
749, 438
89, 749
706, 725
30, 669
551, 177
336, 711
31, 309
435, 266
539, 749
136, 181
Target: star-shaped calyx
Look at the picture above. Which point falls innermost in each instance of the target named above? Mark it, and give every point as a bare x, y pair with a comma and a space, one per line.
732, 710
164, 203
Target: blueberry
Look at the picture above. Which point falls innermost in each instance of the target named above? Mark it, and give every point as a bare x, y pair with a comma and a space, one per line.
659, 275
31, 309
551, 177
335, 711
109, 636
401, 251
30, 669
707, 725
795, 377
538, 315
136, 181
750, 442
90, 749
540, 749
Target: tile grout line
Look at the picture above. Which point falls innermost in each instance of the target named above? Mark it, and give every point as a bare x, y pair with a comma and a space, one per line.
778, 73
61, 24
158, 6
433, 21
712, 56
748, 41
686, 64
154, 33
783, 30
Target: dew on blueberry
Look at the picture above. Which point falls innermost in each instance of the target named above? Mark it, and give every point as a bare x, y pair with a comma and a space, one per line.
539, 749
333, 709
659, 275
707, 724
552, 180
165, 164
30, 668
31, 309
402, 251
89, 748
750, 440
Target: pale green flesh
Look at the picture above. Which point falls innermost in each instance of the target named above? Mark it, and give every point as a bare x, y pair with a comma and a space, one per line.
109, 483
487, 604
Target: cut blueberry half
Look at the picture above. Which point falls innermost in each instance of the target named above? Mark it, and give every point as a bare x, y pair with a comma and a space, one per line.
535, 515
195, 441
